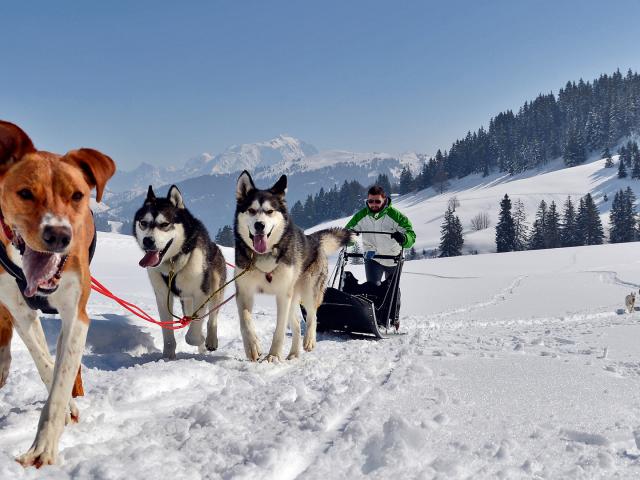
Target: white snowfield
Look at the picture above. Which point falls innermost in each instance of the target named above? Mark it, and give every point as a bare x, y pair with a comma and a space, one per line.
519, 365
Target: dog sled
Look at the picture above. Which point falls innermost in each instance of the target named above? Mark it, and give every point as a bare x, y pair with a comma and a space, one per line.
361, 308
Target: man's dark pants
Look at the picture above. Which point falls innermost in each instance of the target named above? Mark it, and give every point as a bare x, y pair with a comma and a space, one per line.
374, 272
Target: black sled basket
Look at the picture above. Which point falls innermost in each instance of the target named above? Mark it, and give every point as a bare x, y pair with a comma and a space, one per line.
361, 314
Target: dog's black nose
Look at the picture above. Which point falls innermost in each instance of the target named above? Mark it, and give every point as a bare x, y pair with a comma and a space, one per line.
56, 238
259, 226
148, 243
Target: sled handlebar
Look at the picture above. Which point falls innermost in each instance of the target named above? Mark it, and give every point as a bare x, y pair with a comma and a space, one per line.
362, 255
358, 232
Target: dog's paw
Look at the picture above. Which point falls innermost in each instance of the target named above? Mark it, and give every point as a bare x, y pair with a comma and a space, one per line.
39, 455
309, 342
195, 338
169, 353
272, 358
212, 344
293, 355
252, 349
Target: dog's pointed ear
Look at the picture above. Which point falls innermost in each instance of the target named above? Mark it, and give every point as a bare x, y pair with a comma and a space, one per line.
175, 197
244, 186
151, 196
14, 144
96, 167
280, 187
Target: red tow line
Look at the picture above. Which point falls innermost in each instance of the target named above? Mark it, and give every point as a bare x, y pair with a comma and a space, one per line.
96, 286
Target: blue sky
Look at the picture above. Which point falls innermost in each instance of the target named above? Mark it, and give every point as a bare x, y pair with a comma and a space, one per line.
163, 81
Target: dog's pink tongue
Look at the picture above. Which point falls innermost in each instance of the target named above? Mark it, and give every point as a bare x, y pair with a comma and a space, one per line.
260, 243
150, 259
38, 268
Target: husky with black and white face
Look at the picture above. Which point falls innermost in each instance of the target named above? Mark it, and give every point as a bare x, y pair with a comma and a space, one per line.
173, 240
280, 260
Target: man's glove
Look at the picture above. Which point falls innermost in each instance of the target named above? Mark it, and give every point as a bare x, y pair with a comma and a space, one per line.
399, 237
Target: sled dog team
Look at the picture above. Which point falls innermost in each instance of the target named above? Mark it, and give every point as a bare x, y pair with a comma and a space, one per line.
48, 238
272, 256
47, 241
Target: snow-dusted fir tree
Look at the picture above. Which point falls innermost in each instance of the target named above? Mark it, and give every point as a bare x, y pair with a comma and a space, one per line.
539, 228
622, 218
552, 227
225, 237
568, 228
574, 152
635, 161
588, 222
451, 239
383, 181
406, 181
622, 169
608, 161
505, 229
520, 226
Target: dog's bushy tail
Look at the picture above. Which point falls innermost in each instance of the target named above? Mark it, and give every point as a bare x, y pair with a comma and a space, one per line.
333, 239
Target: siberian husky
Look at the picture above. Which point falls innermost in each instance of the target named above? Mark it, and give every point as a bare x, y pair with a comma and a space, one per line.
277, 258
173, 239
630, 302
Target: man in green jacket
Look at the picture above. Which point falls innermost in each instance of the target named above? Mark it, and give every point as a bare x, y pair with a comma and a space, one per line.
380, 216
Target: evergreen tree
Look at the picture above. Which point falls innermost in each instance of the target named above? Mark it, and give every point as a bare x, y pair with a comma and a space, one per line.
624, 155
588, 222
608, 161
451, 239
552, 227
622, 218
406, 181
297, 213
537, 240
622, 169
520, 226
383, 181
568, 229
225, 236
505, 229
635, 161
440, 181
574, 151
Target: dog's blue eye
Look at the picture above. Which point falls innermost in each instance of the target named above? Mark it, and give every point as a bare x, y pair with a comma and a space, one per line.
144, 224
77, 196
25, 194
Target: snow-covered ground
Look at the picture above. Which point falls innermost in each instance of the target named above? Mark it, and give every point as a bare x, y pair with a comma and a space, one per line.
477, 194
514, 365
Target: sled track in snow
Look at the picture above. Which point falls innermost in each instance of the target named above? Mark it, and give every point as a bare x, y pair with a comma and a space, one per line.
611, 277
497, 298
334, 429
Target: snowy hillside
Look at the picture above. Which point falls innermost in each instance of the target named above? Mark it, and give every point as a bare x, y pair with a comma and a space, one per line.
483, 194
516, 365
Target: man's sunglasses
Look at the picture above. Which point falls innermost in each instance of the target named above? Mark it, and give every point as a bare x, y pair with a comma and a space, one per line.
374, 201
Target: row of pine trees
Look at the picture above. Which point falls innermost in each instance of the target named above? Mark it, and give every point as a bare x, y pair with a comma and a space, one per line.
574, 226
583, 117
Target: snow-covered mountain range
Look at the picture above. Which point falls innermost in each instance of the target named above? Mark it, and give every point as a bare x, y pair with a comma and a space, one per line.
282, 154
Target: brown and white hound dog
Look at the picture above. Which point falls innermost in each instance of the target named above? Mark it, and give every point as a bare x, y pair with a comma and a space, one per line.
47, 228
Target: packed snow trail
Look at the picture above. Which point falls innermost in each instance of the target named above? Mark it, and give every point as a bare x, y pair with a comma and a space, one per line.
514, 366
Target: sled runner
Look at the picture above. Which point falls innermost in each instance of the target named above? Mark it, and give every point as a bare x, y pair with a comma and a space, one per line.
364, 309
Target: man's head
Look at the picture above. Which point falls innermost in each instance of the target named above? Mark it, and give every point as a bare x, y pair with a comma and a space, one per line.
376, 198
